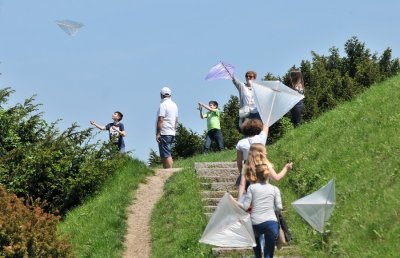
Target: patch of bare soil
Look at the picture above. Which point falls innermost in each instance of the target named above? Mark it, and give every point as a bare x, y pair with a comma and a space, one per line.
138, 239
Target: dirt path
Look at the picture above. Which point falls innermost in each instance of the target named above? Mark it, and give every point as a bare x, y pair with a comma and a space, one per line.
137, 240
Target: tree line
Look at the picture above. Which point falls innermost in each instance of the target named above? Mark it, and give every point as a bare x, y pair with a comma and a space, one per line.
329, 80
62, 168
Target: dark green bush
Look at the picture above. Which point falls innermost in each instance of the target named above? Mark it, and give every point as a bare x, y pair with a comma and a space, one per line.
28, 231
39, 161
187, 143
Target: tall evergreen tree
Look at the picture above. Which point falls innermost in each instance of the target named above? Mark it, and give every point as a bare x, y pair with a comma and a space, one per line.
230, 122
187, 143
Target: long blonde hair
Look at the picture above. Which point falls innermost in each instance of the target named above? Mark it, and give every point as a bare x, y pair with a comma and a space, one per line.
257, 164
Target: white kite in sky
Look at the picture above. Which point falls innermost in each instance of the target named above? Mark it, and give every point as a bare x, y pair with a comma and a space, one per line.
70, 27
274, 99
229, 226
220, 71
317, 207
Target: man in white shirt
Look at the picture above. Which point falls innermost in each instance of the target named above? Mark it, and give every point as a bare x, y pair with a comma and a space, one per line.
167, 121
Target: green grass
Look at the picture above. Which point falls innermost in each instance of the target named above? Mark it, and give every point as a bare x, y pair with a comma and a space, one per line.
97, 228
358, 144
178, 219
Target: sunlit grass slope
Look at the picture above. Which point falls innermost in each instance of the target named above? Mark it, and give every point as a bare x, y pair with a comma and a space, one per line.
98, 227
358, 144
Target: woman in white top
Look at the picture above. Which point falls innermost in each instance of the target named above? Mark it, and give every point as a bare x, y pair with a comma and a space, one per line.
263, 198
246, 96
255, 132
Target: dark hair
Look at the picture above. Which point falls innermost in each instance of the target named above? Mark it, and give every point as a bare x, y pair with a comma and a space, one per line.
120, 115
213, 102
252, 127
296, 77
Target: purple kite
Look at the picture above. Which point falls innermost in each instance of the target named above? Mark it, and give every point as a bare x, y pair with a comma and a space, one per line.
220, 71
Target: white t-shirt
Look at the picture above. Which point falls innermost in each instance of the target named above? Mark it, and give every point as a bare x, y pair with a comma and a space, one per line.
244, 144
264, 199
169, 110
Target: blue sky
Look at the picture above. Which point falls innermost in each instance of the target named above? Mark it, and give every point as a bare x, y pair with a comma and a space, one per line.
128, 50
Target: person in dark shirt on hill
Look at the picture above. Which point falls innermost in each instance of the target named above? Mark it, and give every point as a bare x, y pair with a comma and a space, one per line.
115, 129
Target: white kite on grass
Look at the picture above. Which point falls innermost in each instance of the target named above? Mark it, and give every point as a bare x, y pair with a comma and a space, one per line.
317, 207
229, 226
274, 99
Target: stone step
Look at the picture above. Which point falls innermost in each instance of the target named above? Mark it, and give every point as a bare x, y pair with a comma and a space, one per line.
211, 201
217, 171
219, 186
218, 194
209, 208
247, 252
208, 215
218, 178
231, 178
198, 165
241, 252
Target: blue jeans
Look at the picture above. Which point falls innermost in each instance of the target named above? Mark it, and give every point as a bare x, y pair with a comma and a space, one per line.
270, 231
214, 134
165, 145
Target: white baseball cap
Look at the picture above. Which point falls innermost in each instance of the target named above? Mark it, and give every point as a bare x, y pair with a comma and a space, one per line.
166, 91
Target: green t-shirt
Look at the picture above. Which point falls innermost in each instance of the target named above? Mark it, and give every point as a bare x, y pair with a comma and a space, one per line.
213, 121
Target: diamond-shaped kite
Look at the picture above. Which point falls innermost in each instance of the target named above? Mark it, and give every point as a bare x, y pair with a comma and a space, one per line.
317, 207
274, 99
220, 71
229, 226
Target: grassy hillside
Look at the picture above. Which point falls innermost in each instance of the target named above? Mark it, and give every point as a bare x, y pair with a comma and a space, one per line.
98, 227
358, 144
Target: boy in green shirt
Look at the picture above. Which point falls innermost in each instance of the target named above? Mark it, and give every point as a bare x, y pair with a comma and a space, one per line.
213, 125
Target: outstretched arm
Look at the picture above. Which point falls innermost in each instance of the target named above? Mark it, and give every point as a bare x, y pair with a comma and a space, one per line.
282, 173
101, 127
265, 129
236, 82
200, 108
239, 163
207, 107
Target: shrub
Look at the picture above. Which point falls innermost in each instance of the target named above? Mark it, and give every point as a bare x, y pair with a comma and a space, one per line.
28, 231
39, 161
